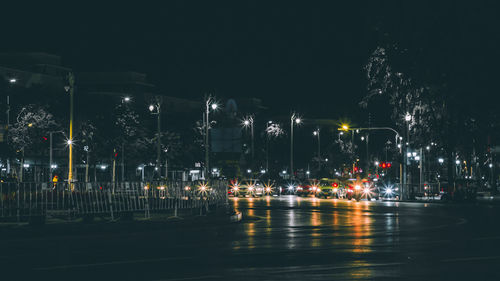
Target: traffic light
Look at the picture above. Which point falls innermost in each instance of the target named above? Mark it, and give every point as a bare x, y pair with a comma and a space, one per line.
385, 165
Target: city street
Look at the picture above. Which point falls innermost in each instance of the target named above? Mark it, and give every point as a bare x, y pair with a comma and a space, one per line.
286, 238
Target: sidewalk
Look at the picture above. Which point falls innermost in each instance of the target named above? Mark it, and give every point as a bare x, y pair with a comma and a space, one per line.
103, 226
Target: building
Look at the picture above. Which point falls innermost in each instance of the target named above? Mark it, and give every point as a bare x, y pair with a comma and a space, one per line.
30, 69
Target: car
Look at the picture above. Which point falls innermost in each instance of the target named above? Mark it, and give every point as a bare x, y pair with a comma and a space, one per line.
310, 189
329, 188
249, 188
359, 189
387, 191
288, 187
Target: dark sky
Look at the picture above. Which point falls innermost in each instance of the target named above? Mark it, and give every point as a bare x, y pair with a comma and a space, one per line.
304, 55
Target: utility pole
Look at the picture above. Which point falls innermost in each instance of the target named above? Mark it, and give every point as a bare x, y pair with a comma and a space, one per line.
152, 108
293, 119
122, 162
291, 147
50, 156
87, 164
421, 170
114, 167
209, 104
70, 88
158, 142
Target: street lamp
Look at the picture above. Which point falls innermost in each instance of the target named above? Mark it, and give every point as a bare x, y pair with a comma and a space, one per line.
70, 88
126, 99
405, 157
210, 103
248, 123
440, 160
297, 120
316, 133
408, 117
155, 109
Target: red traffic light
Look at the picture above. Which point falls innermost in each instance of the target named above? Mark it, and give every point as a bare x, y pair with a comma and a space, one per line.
385, 165
335, 184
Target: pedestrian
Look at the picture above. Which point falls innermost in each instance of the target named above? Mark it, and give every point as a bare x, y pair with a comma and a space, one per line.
55, 179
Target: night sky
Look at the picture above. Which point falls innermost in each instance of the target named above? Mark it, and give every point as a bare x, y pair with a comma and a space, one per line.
294, 55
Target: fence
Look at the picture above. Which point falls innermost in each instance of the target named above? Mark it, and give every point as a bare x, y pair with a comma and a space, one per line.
20, 201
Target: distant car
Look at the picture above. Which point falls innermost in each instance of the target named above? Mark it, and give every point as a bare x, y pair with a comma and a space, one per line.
310, 189
329, 188
387, 191
288, 187
249, 188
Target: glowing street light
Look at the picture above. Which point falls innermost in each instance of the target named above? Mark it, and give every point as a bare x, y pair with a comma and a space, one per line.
248, 123
126, 99
408, 117
293, 119
155, 109
210, 103
316, 133
441, 160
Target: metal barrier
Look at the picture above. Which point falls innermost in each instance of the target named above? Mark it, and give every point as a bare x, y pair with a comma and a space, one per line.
20, 201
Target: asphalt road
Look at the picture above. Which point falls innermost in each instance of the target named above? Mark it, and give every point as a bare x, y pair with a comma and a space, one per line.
287, 238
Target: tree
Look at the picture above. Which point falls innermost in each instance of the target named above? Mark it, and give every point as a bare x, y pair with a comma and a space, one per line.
26, 134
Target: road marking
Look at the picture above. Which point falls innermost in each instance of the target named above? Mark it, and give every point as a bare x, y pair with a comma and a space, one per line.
194, 278
339, 267
471, 259
108, 263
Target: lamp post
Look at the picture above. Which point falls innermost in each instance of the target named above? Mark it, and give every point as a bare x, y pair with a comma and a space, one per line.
293, 119
70, 88
405, 156
248, 123
210, 103
155, 109
317, 134
11, 82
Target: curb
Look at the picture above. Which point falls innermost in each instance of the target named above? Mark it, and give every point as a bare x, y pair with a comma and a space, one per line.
237, 217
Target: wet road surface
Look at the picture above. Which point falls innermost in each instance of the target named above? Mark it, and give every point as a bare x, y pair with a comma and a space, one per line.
285, 238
